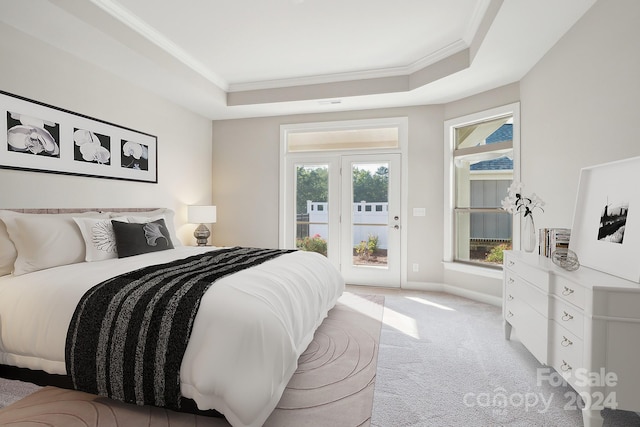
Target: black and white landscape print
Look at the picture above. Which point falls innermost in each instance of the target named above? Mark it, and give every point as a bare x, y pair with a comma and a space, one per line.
613, 220
91, 147
32, 135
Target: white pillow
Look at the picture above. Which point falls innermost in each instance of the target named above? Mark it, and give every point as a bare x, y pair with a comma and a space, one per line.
45, 240
7, 250
142, 217
99, 240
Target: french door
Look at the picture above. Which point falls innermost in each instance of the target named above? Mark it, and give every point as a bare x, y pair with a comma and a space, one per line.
347, 207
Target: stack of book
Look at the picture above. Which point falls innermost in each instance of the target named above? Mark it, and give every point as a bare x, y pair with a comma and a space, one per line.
552, 239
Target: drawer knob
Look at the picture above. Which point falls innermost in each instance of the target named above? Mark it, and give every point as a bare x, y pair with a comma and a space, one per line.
509, 314
511, 263
510, 297
567, 291
566, 316
566, 342
565, 366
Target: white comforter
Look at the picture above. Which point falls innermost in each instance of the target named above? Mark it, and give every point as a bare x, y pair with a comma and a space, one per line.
248, 334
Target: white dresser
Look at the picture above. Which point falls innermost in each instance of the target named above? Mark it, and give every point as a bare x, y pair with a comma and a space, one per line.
584, 323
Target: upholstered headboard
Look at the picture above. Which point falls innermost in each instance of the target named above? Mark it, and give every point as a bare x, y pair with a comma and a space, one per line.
72, 210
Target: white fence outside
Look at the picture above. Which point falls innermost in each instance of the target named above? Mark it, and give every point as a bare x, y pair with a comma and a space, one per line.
368, 218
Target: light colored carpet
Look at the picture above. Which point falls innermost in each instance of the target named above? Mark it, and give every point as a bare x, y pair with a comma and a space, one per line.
443, 360
332, 386
12, 390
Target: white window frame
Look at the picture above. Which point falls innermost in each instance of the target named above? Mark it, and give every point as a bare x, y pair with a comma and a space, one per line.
449, 184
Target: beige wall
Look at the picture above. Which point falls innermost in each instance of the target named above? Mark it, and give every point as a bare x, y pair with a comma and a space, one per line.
579, 107
246, 181
38, 71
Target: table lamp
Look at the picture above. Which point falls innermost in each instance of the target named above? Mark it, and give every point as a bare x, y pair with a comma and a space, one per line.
201, 215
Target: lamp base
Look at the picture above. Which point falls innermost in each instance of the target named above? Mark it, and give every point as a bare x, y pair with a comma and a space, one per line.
202, 234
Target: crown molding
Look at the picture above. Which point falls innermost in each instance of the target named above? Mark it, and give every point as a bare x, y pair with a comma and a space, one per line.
119, 12
477, 17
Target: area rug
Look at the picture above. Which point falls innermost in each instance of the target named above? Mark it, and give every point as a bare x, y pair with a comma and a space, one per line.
333, 385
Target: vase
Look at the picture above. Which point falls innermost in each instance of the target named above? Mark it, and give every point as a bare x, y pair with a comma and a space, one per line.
528, 234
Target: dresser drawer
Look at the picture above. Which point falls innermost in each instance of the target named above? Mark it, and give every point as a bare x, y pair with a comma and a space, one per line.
530, 327
568, 291
568, 316
516, 287
566, 352
537, 277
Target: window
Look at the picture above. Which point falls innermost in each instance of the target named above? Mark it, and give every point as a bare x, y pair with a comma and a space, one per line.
348, 139
482, 160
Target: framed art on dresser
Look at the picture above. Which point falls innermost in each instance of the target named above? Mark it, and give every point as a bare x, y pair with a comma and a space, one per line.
42, 138
606, 224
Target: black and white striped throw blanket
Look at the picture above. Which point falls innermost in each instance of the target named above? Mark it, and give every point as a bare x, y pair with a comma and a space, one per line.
128, 334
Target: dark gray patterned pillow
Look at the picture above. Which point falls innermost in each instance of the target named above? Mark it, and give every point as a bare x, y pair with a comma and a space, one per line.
135, 239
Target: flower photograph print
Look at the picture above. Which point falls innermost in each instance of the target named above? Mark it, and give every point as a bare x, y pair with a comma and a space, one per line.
91, 147
32, 135
135, 156
43, 138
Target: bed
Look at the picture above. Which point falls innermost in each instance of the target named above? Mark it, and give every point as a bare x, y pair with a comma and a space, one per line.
245, 338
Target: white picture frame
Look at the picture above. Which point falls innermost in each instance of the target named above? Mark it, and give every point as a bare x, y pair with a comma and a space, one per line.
606, 225
39, 137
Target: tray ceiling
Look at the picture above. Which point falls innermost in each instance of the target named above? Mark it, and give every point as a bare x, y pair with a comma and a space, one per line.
243, 58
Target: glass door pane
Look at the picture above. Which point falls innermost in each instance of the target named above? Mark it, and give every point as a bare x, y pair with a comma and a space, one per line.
312, 207
371, 223
370, 216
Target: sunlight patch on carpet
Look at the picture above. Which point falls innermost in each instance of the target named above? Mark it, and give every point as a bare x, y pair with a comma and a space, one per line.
398, 321
430, 303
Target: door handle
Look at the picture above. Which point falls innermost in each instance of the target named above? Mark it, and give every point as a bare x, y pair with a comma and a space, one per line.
397, 227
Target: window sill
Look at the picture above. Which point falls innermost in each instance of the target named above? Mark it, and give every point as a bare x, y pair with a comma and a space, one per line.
473, 269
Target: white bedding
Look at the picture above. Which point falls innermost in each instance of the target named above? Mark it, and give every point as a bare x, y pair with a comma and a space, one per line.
247, 336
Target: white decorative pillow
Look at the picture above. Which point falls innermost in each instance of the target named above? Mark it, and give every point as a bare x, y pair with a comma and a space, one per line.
45, 240
142, 217
99, 240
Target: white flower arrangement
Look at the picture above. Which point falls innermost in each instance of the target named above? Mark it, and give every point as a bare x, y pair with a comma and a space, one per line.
516, 203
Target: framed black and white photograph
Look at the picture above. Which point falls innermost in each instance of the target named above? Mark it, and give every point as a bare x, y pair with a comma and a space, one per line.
606, 231
42, 138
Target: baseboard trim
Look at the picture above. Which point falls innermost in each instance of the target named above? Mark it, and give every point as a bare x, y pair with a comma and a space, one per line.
454, 290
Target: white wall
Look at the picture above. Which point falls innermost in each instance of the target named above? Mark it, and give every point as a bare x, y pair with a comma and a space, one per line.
579, 107
38, 71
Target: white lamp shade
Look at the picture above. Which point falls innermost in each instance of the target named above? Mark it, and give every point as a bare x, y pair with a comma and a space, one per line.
201, 214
